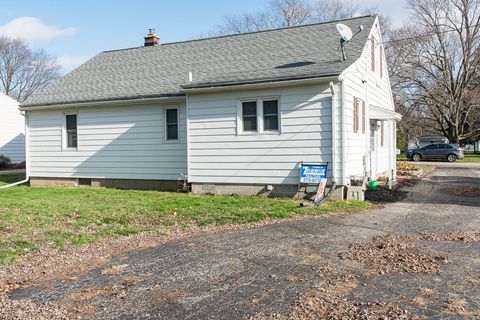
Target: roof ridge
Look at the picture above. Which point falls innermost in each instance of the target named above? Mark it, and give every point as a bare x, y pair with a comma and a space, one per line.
243, 33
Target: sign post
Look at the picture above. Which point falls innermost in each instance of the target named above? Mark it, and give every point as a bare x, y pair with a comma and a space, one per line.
313, 174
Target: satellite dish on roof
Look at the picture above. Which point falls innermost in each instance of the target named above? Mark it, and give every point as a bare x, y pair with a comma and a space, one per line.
346, 35
345, 32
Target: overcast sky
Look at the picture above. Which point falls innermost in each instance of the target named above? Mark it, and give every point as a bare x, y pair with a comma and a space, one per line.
74, 31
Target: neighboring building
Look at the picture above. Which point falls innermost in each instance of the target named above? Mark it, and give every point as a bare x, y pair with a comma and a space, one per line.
236, 114
12, 130
426, 139
472, 147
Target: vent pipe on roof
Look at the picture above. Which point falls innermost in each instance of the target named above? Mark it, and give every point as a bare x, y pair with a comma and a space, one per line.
151, 38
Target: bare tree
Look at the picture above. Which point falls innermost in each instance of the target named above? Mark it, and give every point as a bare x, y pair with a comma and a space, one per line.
436, 59
327, 10
23, 71
245, 22
288, 13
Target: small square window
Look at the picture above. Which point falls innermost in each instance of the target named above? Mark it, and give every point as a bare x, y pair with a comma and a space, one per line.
249, 115
270, 115
71, 130
171, 116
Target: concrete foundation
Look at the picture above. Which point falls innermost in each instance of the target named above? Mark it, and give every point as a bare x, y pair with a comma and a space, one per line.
161, 185
274, 191
52, 182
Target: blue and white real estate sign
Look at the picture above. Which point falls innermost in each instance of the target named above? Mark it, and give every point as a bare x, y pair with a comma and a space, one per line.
312, 173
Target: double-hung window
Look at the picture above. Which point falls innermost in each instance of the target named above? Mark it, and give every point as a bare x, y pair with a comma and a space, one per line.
171, 124
259, 116
270, 115
71, 136
249, 116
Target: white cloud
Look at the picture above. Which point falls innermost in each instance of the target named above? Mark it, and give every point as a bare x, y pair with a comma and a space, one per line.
33, 29
69, 63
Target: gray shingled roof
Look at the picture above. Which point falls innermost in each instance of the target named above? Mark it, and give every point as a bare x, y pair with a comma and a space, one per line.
162, 70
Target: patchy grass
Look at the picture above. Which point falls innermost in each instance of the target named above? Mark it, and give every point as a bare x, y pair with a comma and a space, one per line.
32, 217
11, 178
402, 157
471, 157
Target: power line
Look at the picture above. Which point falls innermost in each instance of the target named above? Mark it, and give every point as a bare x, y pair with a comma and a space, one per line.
424, 35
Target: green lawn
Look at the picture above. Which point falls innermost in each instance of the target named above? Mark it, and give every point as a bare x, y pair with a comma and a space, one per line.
30, 217
402, 157
11, 178
470, 157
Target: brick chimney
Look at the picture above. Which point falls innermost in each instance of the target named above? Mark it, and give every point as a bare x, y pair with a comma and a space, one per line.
151, 38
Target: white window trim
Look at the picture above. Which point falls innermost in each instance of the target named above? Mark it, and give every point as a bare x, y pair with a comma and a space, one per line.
260, 126
359, 115
64, 132
165, 136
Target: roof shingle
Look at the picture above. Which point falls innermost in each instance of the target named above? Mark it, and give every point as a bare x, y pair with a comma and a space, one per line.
162, 70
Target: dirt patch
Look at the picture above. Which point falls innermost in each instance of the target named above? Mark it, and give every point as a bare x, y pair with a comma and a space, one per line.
165, 298
458, 236
457, 306
387, 254
465, 191
7, 286
383, 195
115, 269
331, 303
426, 291
409, 174
331, 297
27, 310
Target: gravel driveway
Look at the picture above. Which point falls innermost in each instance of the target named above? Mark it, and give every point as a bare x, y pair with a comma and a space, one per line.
416, 258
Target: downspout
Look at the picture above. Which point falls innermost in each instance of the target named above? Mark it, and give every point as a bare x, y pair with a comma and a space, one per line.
344, 133
390, 152
27, 162
334, 131
187, 101
393, 155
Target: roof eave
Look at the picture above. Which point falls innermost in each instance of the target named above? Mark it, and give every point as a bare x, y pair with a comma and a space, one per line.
265, 83
103, 103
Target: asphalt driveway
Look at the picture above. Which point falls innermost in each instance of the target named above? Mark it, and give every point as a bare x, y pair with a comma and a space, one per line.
424, 261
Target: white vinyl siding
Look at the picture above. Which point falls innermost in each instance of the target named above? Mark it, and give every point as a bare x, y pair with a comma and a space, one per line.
219, 155
368, 85
12, 130
113, 143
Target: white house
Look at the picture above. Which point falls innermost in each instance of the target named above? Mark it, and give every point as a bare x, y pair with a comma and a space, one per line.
234, 114
12, 130
426, 139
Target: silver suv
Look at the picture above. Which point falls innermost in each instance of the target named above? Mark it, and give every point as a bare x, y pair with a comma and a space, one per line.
436, 151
